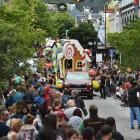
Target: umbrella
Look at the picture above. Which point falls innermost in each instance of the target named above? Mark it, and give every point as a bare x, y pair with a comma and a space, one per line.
92, 72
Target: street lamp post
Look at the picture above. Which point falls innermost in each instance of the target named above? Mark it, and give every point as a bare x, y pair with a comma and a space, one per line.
105, 8
105, 20
105, 23
67, 34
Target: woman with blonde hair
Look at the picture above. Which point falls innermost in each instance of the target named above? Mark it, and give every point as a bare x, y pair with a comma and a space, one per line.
15, 127
27, 131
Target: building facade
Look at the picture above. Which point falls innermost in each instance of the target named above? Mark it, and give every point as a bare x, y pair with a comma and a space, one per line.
124, 12
129, 10
114, 20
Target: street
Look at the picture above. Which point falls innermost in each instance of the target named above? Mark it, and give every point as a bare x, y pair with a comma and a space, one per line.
111, 107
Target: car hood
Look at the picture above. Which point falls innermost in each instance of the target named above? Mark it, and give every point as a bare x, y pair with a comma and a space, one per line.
77, 82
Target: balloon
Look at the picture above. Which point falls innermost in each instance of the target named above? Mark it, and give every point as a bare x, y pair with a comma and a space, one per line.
96, 84
92, 72
88, 52
129, 70
48, 65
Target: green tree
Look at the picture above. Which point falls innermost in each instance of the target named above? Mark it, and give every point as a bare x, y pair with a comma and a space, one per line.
22, 23
60, 22
44, 19
84, 33
17, 36
127, 42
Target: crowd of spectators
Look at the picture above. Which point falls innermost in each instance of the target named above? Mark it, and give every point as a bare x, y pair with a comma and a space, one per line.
124, 86
32, 109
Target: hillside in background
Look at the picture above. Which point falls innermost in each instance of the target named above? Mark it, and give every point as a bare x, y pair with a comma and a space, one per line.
95, 5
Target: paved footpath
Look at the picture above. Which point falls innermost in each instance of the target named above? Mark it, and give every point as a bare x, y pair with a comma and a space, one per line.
111, 107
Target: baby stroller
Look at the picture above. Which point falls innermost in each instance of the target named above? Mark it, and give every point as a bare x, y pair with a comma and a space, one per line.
124, 99
118, 93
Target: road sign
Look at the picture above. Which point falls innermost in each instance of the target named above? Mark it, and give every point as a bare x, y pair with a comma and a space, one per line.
68, 51
111, 52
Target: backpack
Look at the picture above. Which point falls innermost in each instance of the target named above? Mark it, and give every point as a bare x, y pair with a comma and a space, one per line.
39, 100
28, 134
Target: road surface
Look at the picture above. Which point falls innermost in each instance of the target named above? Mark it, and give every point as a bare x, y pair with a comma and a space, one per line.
111, 107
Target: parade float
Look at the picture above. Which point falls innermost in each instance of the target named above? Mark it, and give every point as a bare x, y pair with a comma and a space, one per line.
66, 55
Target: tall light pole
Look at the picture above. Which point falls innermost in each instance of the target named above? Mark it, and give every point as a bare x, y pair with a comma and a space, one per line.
105, 8
67, 34
105, 25
105, 39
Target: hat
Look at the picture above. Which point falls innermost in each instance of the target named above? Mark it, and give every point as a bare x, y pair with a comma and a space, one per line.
74, 92
71, 103
47, 89
75, 121
60, 114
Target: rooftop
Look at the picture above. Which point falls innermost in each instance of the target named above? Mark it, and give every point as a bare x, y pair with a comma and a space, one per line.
95, 5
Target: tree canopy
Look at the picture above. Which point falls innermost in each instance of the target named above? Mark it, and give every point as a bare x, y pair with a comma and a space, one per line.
22, 24
84, 33
17, 35
60, 22
127, 42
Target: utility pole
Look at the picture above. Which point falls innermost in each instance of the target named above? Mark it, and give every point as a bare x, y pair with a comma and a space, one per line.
105, 22
106, 8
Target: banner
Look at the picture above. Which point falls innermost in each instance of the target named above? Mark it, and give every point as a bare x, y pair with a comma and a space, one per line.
101, 34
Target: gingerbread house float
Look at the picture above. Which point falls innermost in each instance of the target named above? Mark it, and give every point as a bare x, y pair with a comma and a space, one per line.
73, 57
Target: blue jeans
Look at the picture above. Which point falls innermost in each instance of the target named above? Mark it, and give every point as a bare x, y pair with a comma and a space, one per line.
135, 110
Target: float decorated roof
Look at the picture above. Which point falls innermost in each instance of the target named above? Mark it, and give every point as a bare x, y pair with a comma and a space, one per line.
78, 47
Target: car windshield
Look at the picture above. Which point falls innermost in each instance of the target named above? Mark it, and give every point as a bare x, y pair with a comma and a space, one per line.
77, 76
